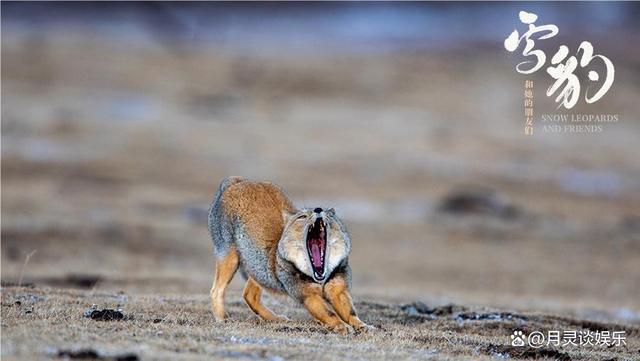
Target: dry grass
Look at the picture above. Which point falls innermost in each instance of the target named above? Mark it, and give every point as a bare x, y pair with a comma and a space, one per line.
181, 327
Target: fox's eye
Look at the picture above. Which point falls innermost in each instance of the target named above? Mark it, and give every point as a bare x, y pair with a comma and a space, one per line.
302, 216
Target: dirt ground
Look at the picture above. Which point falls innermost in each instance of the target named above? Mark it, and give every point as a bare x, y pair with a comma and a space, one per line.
112, 148
179, 327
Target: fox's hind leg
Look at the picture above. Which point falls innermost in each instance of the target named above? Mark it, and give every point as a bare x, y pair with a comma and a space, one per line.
251, 294
226, 267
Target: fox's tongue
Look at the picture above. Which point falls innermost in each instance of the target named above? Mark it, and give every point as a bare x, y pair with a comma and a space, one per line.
316, 258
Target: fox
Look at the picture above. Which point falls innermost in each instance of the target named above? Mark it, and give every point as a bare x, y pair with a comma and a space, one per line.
302, 253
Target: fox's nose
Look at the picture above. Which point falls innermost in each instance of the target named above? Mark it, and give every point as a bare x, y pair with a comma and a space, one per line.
318, 210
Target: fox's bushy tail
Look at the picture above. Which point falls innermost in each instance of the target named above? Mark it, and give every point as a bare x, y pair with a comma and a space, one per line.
221, 232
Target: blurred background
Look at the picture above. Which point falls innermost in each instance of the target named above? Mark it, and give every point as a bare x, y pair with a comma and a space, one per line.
120, 119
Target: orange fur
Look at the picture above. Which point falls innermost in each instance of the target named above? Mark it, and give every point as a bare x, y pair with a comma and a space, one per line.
225, 269
314, 303
259, 206
252, 293
337, 292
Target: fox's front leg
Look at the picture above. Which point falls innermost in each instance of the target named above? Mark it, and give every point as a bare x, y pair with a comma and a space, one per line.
314, 302
337, 292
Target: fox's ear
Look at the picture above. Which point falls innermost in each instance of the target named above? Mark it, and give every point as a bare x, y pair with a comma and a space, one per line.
286, 215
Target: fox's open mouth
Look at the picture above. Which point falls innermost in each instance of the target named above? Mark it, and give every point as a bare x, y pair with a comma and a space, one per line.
316, 247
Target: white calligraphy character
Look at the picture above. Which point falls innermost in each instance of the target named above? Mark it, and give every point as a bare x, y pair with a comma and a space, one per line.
512, 42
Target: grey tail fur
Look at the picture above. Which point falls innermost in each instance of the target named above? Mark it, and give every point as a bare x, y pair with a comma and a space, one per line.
220, 231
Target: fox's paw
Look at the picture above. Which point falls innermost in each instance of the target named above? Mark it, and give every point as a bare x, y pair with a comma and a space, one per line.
282, 318
342, 328
277, 318
364, 328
